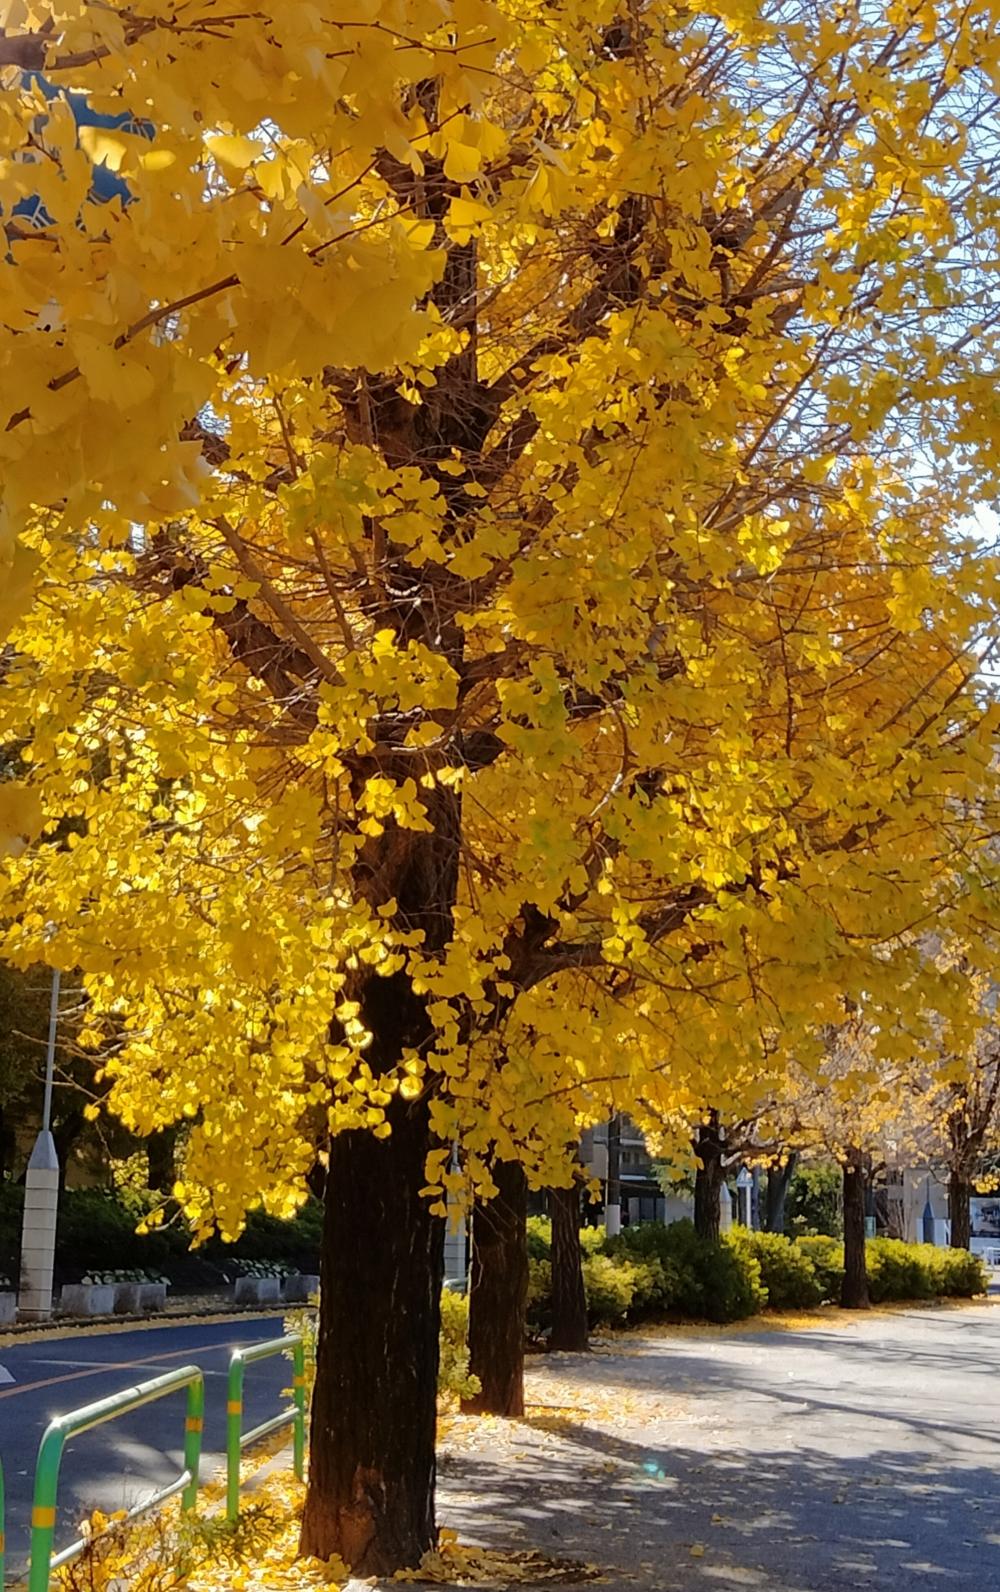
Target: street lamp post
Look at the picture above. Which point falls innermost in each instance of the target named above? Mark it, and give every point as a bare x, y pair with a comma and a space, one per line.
41, 1196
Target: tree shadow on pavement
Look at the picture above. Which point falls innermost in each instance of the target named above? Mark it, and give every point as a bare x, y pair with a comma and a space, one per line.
680, 1519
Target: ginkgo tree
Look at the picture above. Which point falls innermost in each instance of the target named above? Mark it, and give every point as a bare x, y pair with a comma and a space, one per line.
959, 1092
503, 639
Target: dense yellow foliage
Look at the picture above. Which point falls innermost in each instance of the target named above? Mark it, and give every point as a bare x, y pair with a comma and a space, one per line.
498, 506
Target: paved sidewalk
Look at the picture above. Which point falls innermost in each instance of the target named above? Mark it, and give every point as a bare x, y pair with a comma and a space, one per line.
855, 1455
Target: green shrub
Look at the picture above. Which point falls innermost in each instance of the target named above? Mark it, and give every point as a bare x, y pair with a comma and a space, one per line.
813, 1205
897, 1271
539, 1238
11, 1207
593, 1240
732, 1283
693, 1278
96, 1223
653, 1287
454, 1379
921, 1271
827, 1258
539, 1311
609, 1283
653, 1270
787, 1274
94, 1226
964, 1275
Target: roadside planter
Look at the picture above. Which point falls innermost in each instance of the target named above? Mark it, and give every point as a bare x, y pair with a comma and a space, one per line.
259, 1282
300, 1287
87, 1299
136, 1291
122, 1293
128, 1298
258, 1290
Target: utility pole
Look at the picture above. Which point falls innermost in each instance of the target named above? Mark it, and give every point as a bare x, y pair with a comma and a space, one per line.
613, 1190
41, 1196
744, 1189
456, 1234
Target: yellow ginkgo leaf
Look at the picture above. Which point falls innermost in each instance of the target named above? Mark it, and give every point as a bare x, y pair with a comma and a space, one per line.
462, 162
21, 817
232, 149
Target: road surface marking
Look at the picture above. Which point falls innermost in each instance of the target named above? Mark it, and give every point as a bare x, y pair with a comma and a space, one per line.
5, 1375
114, 1365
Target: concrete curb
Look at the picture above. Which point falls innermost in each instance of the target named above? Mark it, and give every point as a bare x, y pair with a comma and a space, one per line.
75, 1327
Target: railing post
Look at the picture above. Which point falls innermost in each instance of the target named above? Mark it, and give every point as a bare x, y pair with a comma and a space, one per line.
295, 1416
234, 1435
73, 1424
43, 1507
194, 1423
299, 1395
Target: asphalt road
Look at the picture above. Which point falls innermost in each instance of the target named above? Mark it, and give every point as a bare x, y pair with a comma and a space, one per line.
115, 1465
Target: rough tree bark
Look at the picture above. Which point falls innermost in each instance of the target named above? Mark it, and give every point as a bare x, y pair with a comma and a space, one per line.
66, 1131
960, 1210
854, 1289
708, 1179
569, 1300
498, 1294
370, 1498
779, 1177
161, 1154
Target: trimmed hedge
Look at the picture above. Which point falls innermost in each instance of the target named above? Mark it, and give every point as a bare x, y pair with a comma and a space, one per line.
789, 1277
652, 1270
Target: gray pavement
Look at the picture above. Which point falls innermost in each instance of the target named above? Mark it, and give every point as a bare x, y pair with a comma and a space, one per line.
115, 1465
857, 1456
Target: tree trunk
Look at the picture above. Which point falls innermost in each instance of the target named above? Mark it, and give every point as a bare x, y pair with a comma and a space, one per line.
370, 1497
569, 1300
779, 1177
316, 1180
498, 1295
854, 1290
161, 1148
708, 1179
65, 1133
372, 1463
960, 1210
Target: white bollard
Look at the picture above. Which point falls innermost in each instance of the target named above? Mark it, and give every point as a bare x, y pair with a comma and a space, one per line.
38, 1232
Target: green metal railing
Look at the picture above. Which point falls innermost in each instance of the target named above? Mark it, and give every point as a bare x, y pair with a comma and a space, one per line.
295, 1416
58, 1433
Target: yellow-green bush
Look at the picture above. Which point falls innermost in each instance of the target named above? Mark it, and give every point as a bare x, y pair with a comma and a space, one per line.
653, 1270
539, 1238
539, 1311
454, 1378
610, 1288
921, 1271
826, 1256
787, 1274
